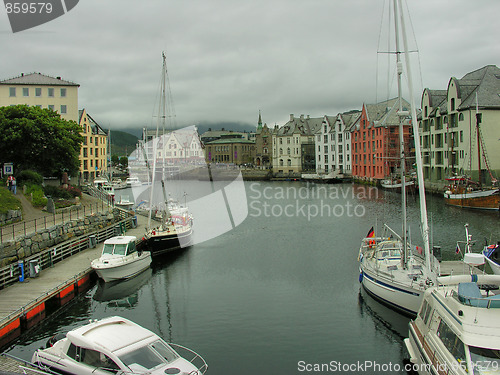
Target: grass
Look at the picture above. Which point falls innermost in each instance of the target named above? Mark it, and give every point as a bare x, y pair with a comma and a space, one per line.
8, 201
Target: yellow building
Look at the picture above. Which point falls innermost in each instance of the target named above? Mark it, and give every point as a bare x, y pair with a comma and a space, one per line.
94, 151
36, 89
40, 90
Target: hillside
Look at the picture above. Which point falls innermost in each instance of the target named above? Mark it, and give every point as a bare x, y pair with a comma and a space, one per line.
122, 143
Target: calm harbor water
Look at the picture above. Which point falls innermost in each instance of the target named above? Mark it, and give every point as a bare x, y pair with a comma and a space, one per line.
279, 293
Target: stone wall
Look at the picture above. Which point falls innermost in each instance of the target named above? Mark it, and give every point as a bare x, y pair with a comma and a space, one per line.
25, 246
11, 216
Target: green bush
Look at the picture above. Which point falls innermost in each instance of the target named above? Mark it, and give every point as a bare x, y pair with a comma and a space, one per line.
63, 193
36, 192
29, 177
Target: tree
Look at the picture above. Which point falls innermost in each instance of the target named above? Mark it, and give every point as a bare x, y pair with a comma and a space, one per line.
39, 139
115, 160
124, 161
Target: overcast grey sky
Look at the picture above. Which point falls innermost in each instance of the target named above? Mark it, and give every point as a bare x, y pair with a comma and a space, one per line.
228, 59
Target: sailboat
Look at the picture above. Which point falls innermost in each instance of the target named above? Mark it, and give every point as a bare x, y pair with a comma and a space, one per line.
462, 191
174, 224
392, 269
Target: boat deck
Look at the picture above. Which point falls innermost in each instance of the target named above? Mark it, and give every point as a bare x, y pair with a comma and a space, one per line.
456, 267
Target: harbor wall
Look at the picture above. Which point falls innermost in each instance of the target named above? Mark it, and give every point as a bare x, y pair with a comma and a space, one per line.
27, 245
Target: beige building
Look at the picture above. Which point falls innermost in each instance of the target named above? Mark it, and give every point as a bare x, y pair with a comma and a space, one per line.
448, 128
293, 146
230, 150
36, 89
94, 151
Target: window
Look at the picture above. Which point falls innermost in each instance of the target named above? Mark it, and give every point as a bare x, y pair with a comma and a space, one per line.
50, 91
26, 91
51, 107
451, 342
63, 109
38, 91
12, 92
63, 93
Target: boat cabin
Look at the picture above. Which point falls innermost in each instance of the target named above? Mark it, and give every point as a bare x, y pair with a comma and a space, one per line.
119, 246
457, 330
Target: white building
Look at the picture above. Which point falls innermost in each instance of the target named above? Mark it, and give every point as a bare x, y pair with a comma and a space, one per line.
333, 144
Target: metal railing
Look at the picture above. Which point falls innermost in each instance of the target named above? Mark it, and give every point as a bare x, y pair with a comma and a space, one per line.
11, 232
48, 257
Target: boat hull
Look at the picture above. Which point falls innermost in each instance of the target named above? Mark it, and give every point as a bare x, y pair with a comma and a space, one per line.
125, 269
163, 242
483, 200
399, 297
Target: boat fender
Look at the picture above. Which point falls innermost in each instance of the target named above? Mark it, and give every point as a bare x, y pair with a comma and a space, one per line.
361, 277
154, 232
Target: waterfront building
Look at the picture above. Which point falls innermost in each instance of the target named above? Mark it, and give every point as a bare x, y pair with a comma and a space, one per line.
375, 141
40, 90
212, 135
175, 147
448, 128
263, 145
333, 144
293, 145
94, 151
230, 149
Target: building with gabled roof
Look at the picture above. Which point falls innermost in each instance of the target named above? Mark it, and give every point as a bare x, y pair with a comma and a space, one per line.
293, 146
94, 151
375, 140
333, 144
448, 129
40, 90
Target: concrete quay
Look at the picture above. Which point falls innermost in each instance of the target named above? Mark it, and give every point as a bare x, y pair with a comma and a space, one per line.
23, 304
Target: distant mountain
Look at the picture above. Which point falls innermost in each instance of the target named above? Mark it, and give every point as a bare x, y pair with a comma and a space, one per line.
202, 128
122, 143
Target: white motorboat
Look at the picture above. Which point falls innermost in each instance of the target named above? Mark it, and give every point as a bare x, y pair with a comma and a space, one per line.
116, 345
124, 202
133, 181
395, 271
104, 185
492, 255
120, 259
118, 184
457, 330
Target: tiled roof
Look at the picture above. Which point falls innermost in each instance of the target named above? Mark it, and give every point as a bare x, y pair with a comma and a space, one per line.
486, 83
37, 79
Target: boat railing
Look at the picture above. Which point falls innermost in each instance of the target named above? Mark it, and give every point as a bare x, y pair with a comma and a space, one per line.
196, 359
469, 295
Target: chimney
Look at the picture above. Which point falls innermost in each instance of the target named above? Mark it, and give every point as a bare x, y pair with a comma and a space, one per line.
291, 116
302, 118
308, 118
59, 78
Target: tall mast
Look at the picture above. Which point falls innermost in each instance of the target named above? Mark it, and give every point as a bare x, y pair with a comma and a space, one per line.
478, 121
402, 115
418, 156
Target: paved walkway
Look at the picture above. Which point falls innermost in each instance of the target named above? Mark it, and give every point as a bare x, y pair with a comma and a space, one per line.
35, 219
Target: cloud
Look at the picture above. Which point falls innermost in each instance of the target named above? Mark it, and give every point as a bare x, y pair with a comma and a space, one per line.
229, 59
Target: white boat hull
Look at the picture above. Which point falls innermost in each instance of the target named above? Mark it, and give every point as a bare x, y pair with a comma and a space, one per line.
495, 267
400, 297
118, 269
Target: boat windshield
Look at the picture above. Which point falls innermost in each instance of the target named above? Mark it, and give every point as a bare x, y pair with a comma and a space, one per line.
149, 356
108, 249
120, 249
485, 361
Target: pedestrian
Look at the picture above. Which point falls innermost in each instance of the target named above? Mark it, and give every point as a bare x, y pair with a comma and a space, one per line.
9, 183
14, 185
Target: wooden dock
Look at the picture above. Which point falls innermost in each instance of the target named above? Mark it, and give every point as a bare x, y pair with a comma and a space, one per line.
23, 304
10, 365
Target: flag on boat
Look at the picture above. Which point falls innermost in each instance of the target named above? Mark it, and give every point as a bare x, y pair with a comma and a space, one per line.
371, 233
457, 250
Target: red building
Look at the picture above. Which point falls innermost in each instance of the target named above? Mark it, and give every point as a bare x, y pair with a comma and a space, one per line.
375, 141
